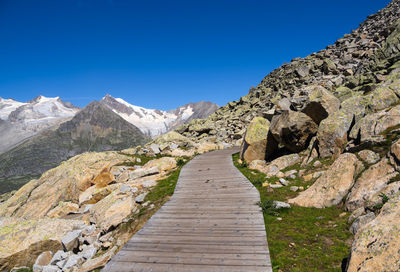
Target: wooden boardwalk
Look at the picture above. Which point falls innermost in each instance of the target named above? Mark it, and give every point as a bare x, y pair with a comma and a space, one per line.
211, 223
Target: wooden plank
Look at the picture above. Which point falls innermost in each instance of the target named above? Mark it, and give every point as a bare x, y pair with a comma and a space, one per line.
211, 223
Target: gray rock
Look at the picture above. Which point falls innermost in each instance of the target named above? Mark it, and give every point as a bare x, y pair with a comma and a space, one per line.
355, 214
281, 205
317, 164
126, 188
140, 198
61, 263
155, 148
275, 186
73, 260
369, 156
361, 221
290, 173
88, 253
51, 268
71, 240
284, 182
142, 172
294, 188
87, 208
60, 255
173, 146
149, 183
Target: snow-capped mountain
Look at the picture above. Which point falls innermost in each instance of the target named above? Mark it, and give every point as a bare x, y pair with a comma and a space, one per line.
153, 122
7, 106
20, 121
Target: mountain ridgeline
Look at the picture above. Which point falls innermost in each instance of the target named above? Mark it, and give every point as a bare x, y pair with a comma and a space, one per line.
38, 135
95, 128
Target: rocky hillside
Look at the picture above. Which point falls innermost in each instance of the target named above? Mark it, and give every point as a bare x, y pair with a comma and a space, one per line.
156, 122
331, 121
353, 66
95, 128
19, 121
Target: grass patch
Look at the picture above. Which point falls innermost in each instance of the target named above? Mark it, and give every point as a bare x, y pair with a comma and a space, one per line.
306, 239
143, 159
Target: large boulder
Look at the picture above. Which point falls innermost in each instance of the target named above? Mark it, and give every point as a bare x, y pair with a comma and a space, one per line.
332, 133
63, 209
321, 103
375, 123
395, 150
22, 241
112, 210
256, 141
333, 185
381, 98
293, 129
38, 197
376, 245
371, 181
163, 164
276, 165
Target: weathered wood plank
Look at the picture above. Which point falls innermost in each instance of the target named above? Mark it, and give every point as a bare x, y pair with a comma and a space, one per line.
211, 223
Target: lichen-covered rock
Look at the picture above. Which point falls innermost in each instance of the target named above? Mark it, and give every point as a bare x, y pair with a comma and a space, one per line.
381, 98
38, 197
376, 123
361, 221
293, 129
103, 178
95, 194
273, 167
369, 156
332, 133
371, 181
256, 140
333, 185
163, 164
376, 244
321, 103
22, 241
62, 209
112, 210
395, 150
164, 141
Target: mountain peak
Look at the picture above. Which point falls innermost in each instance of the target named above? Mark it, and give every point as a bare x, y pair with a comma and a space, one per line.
153, 122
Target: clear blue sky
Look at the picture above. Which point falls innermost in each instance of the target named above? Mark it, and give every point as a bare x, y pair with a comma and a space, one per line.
160, 54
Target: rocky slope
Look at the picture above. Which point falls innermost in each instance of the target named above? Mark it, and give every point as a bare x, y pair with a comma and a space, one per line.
334, 117
156, 122
95, 128
351, 66
19, 121
82, 207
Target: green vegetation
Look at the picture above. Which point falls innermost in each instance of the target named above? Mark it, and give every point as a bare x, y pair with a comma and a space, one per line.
14, 183
384, 198
142, 159
301, 239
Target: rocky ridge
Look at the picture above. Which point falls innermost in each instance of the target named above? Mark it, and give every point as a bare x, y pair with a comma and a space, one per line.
351, 66
95, 128
19, 121
156, 122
